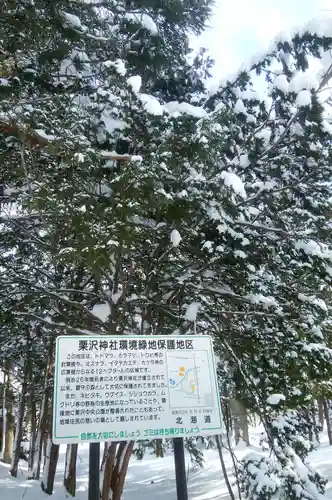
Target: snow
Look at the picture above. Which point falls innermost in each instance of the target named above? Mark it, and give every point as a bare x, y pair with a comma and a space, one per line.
111, 123
135, 83
281, 83
72, 20
175, 238
119, 65
145, 20
240, 107
233, 181
151, 104
175, 109
275, 399
303, 81
153, 477
101, 311
43, 135
192, 310
303, 98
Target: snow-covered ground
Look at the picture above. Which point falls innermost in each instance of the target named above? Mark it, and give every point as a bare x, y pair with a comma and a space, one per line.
151, 477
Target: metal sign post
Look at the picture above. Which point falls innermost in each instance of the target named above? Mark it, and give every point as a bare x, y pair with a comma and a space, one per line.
180, 469
94, 462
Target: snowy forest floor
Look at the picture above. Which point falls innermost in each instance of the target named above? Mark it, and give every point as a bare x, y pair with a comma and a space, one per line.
152, 477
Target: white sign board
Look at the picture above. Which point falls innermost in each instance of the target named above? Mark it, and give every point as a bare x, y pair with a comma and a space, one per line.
134, 387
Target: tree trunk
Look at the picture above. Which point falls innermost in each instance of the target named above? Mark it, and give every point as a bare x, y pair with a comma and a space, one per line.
9, 418
3, 429
69, 480
115, 469
240, 421
104, 456
33, 431
328, 421
20, 419
320, 403
52, 455
159, 448
43, 420
52, 450
223, 467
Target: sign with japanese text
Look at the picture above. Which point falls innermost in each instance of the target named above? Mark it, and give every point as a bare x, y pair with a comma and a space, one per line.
134, 387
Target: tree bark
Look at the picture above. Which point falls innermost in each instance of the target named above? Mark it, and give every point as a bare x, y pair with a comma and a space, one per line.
33, 430
320, 403
328, 421
115, 469
20, 419
43, 420
9, 418
240, 421
159, 448
223, 467
69, 480
52, 455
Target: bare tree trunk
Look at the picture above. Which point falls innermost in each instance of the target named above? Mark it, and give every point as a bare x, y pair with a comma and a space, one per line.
52, 455
320, 403
240, 421
33, 431
159, 448
104, 456
3, 429
43, 420
223, 467
69, 480
20, 419
115, 469
327, 418
9, 418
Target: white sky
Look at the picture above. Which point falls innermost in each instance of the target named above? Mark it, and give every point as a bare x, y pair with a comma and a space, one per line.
240, 28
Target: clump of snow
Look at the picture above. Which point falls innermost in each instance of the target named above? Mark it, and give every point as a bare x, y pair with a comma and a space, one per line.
151, 104
175, 238
275, 399
102, 311
111, 123
233, 181
303, 98
79, 157
43, 135
145, 20
313, 300
175, 109
135, 83
72, 20
281, 83
303, 81
266, 301
240, 107
119, 65
309, 247
192, 310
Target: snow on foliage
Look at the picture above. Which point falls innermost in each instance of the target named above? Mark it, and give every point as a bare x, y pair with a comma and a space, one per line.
175, 238
145, 20
101, 311
135, 83
234, 182
176, 109
275, 399
192, 311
